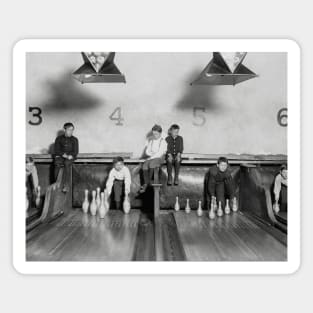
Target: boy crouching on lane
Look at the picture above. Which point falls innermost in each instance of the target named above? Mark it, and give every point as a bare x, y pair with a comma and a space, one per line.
221, 184
119, 181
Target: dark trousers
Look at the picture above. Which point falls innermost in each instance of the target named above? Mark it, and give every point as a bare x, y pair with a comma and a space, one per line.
224, 190
30, 190
283, 199
148, 167
173, 159
119, 192
67, 165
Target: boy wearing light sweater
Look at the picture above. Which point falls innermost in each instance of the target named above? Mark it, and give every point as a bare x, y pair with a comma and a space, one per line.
119, 181
155, 151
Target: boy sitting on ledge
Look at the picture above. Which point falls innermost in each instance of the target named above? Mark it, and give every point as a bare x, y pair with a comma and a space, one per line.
175, 147
155, 150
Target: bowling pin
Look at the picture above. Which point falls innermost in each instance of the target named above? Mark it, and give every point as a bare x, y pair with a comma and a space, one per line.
219, 210
212, 211
235, 206
187, 208
199, 210
98, 200
177, 207
106, 200
276, 207
215, 203
85, 205
102, 209
27, 203
37, 201
126, 205
227, 208
93, 204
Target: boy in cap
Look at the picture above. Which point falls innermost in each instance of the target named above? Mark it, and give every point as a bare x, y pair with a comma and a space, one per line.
65, 152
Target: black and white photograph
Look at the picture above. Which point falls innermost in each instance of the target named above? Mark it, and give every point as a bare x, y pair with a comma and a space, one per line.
167, 157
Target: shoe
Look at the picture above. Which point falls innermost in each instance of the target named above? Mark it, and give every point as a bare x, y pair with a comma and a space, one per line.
176, 182
169, 182
65, 189
143, 188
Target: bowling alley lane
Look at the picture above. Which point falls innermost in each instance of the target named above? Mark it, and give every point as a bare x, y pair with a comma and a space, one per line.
81, 237
233, 237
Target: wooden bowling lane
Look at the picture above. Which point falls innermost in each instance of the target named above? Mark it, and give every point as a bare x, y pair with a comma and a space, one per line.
82, 237
232, 237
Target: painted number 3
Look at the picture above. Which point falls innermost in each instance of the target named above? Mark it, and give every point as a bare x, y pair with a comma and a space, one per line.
282, 117
36, 116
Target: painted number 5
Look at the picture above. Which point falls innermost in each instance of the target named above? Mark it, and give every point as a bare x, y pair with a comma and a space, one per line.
199, 118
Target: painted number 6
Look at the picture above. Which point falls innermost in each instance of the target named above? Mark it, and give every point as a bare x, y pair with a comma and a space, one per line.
282, 117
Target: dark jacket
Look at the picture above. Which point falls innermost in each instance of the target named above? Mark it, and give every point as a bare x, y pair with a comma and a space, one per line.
218, 177
175, 146
68, 145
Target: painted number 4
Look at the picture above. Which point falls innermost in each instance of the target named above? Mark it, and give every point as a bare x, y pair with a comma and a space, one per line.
117, 116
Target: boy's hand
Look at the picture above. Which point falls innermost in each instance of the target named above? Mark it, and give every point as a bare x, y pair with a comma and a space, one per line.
70, 157
64, 155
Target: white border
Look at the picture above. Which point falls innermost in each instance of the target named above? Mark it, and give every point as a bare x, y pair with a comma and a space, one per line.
156, 45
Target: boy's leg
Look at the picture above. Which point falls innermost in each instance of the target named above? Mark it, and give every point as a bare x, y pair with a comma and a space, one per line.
169, 164
283, 199
118, 192
177, 167
229, 189
220, 194
67, 175
146, 175
58, 163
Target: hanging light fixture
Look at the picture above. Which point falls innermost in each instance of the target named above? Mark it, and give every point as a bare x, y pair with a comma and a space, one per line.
225, 68
99, 67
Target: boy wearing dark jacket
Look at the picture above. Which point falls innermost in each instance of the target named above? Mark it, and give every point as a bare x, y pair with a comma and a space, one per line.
65, 153
221, 184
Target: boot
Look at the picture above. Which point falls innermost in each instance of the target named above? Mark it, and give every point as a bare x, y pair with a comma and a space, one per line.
169, 173
146, 180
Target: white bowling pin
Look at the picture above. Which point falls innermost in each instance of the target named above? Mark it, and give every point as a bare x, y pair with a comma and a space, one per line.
37, 201
199, 210
212, 211
177, 207
276, 207
85, 205
227, 208
219, 210
126, 205
235, 205
187, 208
27, 203
102, 209
98, 200
93, 204
214, 203
106, 200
